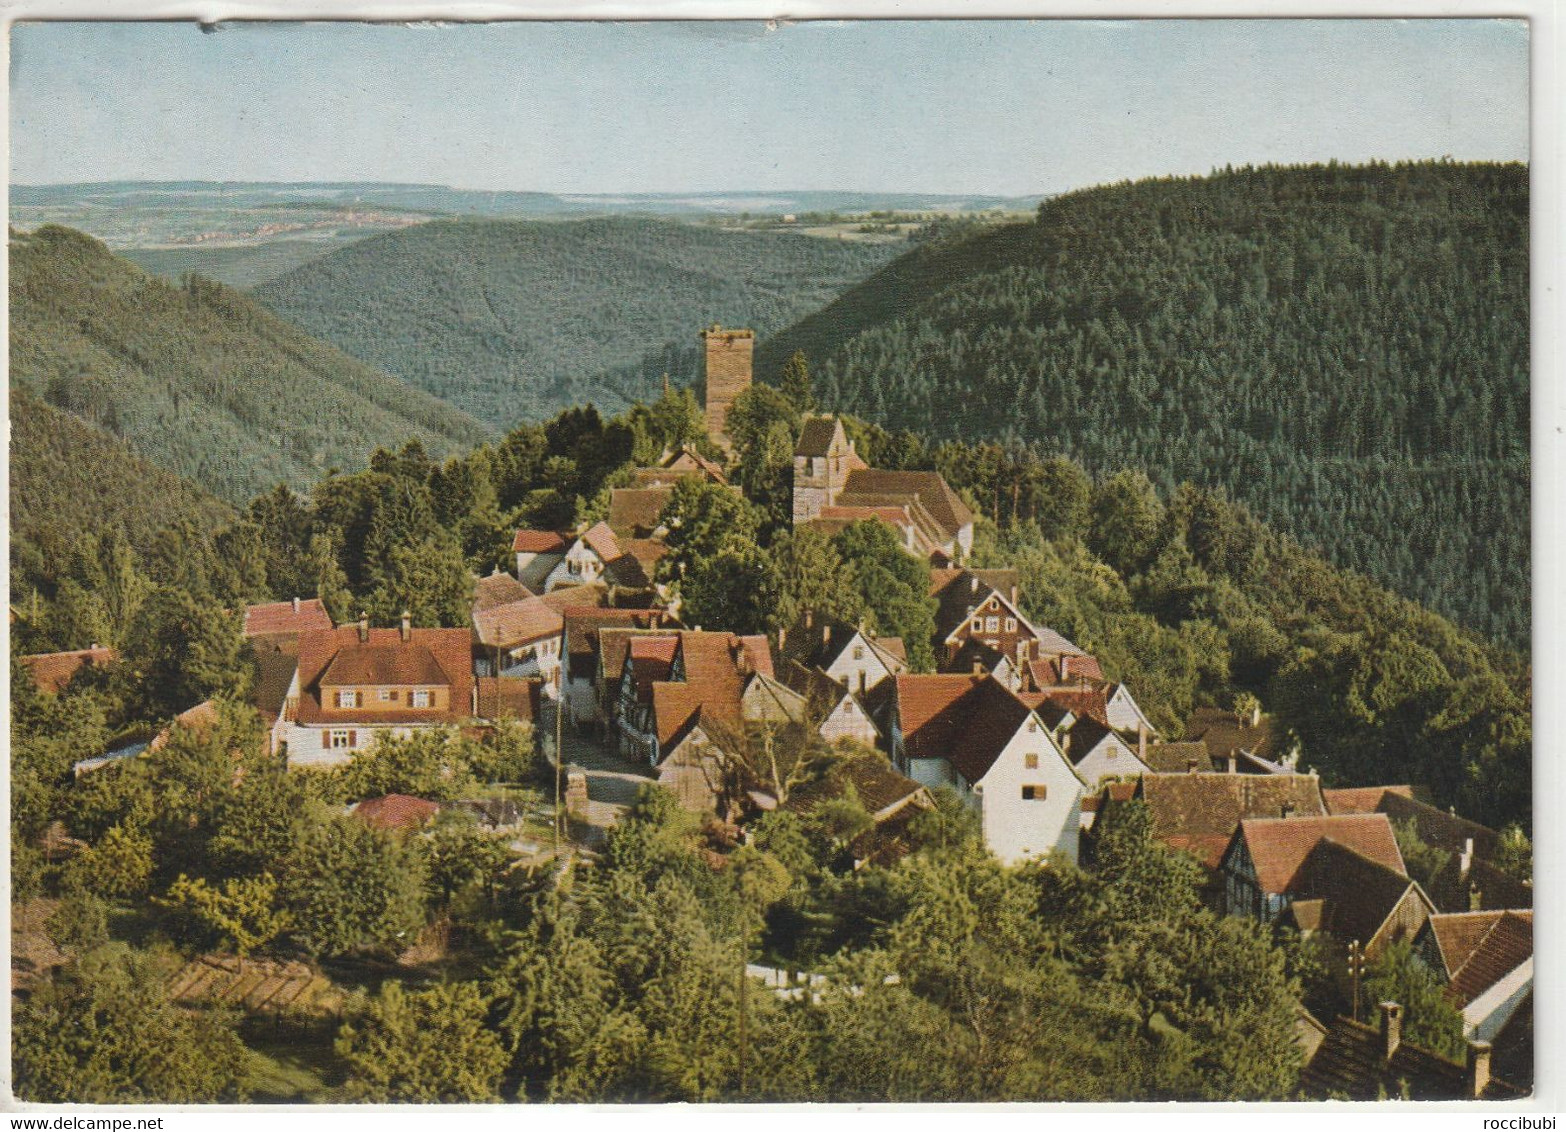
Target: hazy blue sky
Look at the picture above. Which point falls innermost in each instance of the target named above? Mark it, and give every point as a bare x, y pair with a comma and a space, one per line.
977, 107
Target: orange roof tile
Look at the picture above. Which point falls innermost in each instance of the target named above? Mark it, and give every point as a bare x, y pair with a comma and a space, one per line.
1279, 846
1504, 948
437, 657
52, 671
398, 812
538, 542
516, 623
277, 617
498, 589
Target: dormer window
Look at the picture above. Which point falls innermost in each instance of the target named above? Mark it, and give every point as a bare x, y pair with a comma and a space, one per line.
348, 698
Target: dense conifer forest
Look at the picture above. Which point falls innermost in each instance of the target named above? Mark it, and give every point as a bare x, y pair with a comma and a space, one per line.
198, 378
1342, 348
515, 320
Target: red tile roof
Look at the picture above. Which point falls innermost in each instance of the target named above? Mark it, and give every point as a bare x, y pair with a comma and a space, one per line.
1504, 948
1351, 1062
276, 617
498, 589
967, 720
435, 657
601, 541
399, 812
1198, 813
1455, 891
650, 659
1360, 799
634, 511
538, 542
515, 696
199, 718
516, 623
52, 671
929, 488
1358, 894
1279, 846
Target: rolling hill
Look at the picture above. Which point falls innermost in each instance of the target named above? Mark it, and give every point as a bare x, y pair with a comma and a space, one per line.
1343, 349
200, 380
512, 320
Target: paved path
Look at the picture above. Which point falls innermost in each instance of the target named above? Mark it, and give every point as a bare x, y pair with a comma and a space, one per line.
611, 780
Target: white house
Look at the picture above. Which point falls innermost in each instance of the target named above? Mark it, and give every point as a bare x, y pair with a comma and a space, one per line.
850, 655
976, 736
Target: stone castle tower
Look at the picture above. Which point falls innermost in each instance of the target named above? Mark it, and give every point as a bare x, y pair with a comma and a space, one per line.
728, 372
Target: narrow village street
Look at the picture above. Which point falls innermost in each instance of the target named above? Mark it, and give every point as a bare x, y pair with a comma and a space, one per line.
612, 781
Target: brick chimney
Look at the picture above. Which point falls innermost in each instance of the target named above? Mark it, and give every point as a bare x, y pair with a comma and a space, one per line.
1465, 859
1391, 1028
1478, 1068
364, 628
407, 625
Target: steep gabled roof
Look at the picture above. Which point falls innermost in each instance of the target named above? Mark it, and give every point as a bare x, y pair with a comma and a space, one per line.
686, 458
930, 488
1494, 888
498, 589
1279, 846
634, 510
1358, 893
601, 541
1437, 827
1176, 758
967, 720
613, 647
1198, 813
384, 662
880, 789
1360, 799
651, 659
815, 438
1224, 732
277, 664
516, 623
538, 542
1501, 950
283, 617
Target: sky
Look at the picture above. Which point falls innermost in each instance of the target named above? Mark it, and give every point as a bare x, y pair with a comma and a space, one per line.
991, 107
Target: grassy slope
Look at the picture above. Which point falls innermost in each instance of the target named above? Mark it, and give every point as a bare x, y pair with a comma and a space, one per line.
512, 320
208, 383
1344, 350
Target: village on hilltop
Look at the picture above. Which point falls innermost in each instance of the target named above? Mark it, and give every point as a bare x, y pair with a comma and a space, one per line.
583, 639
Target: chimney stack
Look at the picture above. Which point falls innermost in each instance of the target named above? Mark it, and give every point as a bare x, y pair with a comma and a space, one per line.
978, 668
826, 632
782, 636
296, 605
810, 618
1014, 595
1141, 742
1288, 805
1234, 767
1256, 716
1465, 860
1391, 1028
364, 628
973, 583
1478, 1068
407, 625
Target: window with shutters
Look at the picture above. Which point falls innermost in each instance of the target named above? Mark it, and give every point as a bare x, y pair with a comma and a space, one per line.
349, 698
340, 739
419, 698
387, 696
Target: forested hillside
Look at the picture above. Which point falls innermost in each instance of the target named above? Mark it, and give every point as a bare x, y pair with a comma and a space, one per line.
199, 379
513, 320
1344, 349
69, 479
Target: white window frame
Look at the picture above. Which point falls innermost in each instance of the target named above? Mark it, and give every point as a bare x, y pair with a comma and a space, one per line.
385, 695
337, 739
992, 624
348, 698
420, 698
1011, 624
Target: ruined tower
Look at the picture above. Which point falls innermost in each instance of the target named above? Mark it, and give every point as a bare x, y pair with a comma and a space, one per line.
727, 374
